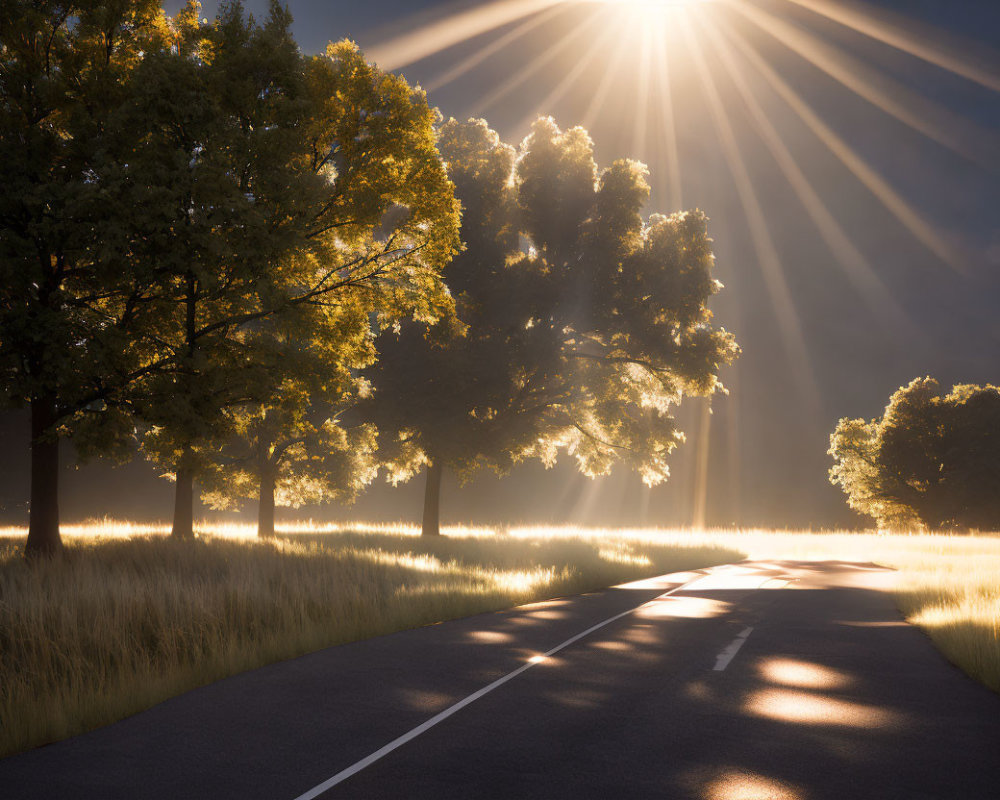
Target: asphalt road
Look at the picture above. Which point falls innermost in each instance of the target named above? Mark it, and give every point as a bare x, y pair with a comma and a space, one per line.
792, 680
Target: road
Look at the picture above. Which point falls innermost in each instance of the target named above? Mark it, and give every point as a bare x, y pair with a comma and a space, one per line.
790, 680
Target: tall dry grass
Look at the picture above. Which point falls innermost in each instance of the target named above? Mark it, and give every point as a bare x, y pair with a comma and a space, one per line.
122, 621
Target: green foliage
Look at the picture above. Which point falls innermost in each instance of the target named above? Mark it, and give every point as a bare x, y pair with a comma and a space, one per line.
581, 323
385, 214
294, 442
65, 274
65, 71
219, 107
370, 223
930, 461
180, 200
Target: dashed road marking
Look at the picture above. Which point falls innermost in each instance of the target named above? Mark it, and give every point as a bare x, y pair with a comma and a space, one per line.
722, 660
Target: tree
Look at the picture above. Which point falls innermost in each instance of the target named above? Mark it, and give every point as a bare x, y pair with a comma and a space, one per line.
65, 71
218, 108
303, 184
931, 461
582, 325
294, 447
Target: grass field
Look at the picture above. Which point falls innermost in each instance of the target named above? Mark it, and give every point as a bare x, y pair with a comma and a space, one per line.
127, 618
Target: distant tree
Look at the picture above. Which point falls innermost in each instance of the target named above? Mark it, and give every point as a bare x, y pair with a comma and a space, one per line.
65, 276
931, 461
304, 184
579, 324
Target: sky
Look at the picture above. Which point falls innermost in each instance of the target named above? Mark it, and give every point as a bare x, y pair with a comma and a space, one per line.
853, 191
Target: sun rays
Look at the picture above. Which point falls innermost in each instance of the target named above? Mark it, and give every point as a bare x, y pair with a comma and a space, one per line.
638, 44
930, 45
442, 34
748, 95
889, 95
919, 227
589, 25
764, 247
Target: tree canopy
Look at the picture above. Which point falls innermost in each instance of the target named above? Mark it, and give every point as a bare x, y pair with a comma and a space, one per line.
322, 189
387, 218
579, 323
179, 196
930, 461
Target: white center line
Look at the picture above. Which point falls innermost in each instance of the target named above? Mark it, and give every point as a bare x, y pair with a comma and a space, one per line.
722, 660
355, 768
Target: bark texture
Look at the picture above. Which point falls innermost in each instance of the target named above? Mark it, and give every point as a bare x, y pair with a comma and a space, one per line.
265, 506
43, 525
432, 501
183, 526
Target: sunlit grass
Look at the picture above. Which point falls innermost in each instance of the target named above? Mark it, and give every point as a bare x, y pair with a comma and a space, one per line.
127, 617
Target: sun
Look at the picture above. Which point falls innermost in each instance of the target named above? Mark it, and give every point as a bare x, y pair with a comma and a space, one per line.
640, 15
647, 9
647, 4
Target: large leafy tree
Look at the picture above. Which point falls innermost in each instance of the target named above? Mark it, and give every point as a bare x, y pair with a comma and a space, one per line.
302, 185
65, 72
219, 110
582, 324
930, 461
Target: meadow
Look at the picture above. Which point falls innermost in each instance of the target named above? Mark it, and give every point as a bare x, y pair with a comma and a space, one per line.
128, 617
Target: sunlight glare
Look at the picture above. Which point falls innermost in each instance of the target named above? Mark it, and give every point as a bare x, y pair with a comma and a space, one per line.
812, 709
668, 127
801, 674
743, 785
650, 14
683, 607
647, 5
590, 116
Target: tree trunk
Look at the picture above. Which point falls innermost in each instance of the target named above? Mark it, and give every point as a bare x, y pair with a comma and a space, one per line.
43, 524
432, 501
265, 505
183, 527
